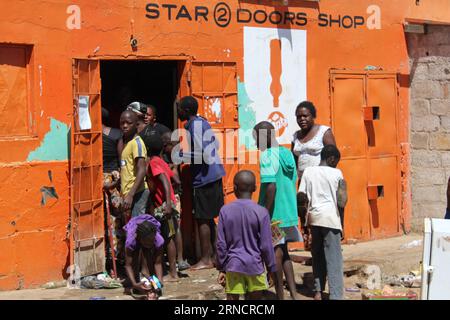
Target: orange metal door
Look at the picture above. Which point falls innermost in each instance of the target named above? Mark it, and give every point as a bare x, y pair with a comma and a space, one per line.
384, 174
382, 108
356, 219
86, 173
214, 84
364, 115
348, 126
383, 201
348, 97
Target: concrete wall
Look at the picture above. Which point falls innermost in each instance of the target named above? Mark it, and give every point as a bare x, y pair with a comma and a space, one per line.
430, 121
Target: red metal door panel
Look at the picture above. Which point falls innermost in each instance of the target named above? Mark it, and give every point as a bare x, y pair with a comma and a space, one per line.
87, 219
382, 100
384, 209
348, 125
214, 84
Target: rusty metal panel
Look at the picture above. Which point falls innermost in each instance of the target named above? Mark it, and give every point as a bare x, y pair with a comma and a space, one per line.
214, 84
14, 88
87, 217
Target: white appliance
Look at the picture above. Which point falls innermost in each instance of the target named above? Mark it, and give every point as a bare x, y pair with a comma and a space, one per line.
436, 260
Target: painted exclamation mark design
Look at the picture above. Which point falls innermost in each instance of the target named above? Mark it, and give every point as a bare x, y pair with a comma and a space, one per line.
275, 71
276, 117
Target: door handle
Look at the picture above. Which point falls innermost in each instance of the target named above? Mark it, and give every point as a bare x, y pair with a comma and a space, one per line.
371, 113
375, 191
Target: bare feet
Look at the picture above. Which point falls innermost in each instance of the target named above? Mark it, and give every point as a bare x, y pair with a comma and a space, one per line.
202, 266
295, 296
170, 278
318, 296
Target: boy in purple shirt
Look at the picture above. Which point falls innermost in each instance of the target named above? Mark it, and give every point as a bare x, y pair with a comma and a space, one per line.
244, 243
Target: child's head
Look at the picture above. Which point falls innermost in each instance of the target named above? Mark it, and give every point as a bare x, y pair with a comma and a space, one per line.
330, 155
128, 123
168, 144
146, 233
264, 135
244, 184
154, 144
188, 106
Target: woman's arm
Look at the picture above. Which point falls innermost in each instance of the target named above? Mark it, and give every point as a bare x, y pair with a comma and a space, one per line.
292, 148
328, 138
129, 261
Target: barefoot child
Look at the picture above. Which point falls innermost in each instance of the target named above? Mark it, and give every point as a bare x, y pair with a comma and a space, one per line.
278, 195
326, 192
159, 175
244, 243
207, 171
143, 248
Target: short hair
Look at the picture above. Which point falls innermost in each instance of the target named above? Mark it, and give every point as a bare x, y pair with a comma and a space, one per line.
105, 115
166, 137
189, 104
264, 125
131, 113
329, 151
138, 107
145, 229
307, 105
154, 144
149, 106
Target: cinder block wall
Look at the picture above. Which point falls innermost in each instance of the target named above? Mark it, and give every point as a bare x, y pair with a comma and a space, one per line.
430, 121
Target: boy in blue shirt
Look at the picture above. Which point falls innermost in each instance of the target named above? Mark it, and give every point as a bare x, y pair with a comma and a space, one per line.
207, 172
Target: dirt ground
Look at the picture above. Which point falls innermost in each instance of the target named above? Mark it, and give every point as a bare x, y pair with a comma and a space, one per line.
388, 254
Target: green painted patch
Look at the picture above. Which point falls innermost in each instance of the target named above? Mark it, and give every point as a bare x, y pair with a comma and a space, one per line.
55, 144
247, 118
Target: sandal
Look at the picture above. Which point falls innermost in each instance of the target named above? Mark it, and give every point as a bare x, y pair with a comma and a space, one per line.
183, 265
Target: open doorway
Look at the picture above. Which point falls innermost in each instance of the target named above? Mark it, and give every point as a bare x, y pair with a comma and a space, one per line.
152, 82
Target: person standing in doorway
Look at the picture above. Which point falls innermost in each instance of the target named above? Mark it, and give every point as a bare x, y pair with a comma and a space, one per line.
151, 125
207, 172
325, 188
133, 166
169, 144
112, 147
278, 195
141, 110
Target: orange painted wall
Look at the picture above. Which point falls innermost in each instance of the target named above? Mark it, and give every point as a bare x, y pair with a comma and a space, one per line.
34, 247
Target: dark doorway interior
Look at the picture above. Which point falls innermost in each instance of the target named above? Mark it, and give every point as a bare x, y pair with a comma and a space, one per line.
151, 82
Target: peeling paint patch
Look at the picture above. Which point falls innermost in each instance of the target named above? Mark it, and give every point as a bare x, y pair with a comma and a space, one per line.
55, 144
247, 118
213, 109
48, 192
